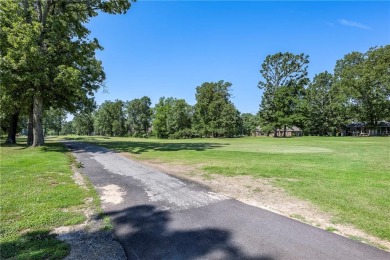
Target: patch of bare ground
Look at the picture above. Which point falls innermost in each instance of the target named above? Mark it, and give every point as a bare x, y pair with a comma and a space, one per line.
260, 192
92, 239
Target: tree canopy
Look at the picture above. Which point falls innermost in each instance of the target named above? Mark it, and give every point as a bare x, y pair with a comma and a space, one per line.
283, 85
48, 58
365, 80
215, 115
139, 114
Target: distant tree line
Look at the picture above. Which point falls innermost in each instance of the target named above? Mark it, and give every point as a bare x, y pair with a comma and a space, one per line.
358, 90
214, 115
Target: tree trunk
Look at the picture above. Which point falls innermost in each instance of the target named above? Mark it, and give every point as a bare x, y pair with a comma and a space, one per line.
38, 138
275, 132
12, 128
284, 131
30, 136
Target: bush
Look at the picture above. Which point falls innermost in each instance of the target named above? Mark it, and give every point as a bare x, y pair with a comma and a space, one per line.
182, 134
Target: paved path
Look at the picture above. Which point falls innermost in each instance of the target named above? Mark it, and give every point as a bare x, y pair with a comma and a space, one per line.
157, 216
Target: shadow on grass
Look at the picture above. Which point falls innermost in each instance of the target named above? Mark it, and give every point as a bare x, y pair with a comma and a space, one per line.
148, 235
142, 147
77, 138
34, 245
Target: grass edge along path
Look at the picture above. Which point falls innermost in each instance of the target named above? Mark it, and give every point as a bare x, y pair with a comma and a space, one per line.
345, 176
38, 194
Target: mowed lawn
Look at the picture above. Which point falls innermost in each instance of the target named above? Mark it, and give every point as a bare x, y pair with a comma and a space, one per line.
37, 194
347, 176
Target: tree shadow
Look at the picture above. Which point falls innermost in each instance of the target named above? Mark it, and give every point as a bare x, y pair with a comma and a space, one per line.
34, 245
142, 147
148, 236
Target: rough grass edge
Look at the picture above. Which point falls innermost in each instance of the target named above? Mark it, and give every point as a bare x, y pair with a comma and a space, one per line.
95, 203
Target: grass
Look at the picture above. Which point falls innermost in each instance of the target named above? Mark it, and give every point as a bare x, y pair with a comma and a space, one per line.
346, 176
331, 229
37, 194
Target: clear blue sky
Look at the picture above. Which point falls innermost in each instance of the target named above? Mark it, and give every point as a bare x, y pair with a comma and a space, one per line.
168, 48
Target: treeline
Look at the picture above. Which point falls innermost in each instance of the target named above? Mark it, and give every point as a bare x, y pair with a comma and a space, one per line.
214, 115
357, 91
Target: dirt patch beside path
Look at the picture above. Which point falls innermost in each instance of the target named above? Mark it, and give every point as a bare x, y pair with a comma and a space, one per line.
260, 192
90, 240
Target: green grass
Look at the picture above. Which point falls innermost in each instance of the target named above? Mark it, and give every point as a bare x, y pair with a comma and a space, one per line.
346, 176
37, 194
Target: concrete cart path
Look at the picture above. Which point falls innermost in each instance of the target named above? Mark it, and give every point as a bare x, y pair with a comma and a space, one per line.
157, 216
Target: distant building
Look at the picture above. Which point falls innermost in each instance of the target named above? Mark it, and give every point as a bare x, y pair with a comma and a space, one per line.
362, 129
293, 131
290, 131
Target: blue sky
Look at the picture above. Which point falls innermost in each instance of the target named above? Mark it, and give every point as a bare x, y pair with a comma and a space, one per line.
168, 48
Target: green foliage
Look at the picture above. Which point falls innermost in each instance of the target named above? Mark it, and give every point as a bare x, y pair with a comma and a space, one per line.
110, 119
172, 119
364, 78
285, 76
53, 121
249, 123
83, 121
215, 115
139, 114
319, 107
48, 58
67, 128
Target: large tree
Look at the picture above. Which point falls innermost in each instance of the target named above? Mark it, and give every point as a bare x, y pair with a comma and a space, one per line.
139, 114
110, 118
364, 78
83, 121
215, 115
319, 104
284, 79
172, 118
9, 115
249, 123
327, 108
47, 53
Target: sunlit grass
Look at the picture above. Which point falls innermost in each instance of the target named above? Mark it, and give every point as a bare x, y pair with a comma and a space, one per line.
36, 191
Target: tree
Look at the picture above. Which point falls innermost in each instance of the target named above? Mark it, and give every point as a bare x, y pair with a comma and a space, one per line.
138, 116
230, 122
172, 118
83, 121
54, 119
214, 108
319, 104
9, 115
179, 119
364, 78
47, 54
109, 118
249, 123
285, 76
67, 128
